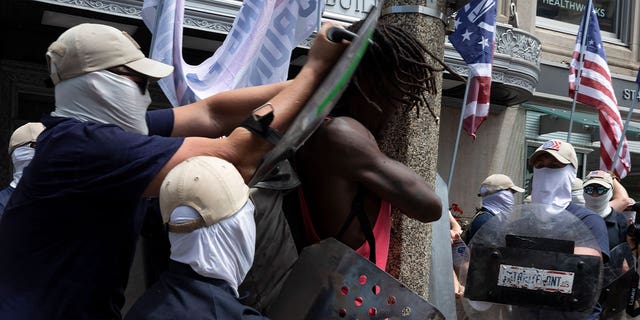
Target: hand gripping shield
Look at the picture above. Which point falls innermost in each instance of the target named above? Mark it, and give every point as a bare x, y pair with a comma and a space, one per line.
523, 266
322, 101
331, 281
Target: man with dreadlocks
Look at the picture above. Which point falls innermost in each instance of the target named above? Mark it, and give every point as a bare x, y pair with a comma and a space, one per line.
348, 185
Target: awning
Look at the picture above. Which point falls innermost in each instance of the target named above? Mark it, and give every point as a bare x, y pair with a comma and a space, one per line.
581, 118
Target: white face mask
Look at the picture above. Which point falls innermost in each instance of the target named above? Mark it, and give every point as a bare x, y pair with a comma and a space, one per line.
103, 97
224, 250
501, 201
599, 204
553, 187
20, 157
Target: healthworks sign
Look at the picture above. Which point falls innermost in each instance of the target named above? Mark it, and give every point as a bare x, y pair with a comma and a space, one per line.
571, 11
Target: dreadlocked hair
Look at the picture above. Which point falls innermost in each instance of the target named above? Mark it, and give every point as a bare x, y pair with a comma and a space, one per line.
398, 56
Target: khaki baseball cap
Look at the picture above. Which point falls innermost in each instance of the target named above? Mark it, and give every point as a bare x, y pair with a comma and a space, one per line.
25, 134
210, 185
600, 177
562, 151
495, 183
92, 47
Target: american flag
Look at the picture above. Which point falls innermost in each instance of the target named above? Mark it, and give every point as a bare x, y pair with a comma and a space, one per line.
473, 39
595, 89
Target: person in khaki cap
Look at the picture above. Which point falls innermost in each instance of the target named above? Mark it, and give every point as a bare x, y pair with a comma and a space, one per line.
598, 190
21, 150
212, 232
555, 166
68, 234
497, 192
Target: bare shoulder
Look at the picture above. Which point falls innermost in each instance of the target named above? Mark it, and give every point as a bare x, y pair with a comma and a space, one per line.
347, 132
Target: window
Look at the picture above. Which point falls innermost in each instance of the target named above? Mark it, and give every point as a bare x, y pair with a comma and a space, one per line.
565, 15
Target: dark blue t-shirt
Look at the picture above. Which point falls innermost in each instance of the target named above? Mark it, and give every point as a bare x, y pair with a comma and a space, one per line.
68, 233
595, 223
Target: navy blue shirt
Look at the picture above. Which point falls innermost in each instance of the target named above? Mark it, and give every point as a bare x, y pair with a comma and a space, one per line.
181, 293
616, 228
68, 233
595, 223
478, 221
5, 194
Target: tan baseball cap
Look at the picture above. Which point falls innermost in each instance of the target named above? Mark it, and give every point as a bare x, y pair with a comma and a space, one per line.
495, 183
600, 177
210, 185
562, 151
92, 47
25, 134
576, 184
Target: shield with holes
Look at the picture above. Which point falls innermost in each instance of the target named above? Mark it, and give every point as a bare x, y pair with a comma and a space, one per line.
532, 263
322, 101
331, 281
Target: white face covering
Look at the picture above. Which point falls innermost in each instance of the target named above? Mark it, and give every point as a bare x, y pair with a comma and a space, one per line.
20, 157
577, 197
224, 250
599, 204
497, 202
553, 187
103, 97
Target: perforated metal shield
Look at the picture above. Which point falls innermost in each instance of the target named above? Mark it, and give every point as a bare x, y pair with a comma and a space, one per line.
331, 281
322, 101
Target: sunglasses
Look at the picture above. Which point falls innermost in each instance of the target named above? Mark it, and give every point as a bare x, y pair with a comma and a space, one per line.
141, 80
600, 190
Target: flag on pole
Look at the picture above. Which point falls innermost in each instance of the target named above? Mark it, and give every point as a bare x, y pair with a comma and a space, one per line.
473, 39
595, 89
256, 51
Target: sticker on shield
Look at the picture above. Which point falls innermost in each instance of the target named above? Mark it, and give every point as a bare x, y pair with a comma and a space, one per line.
535, 279
322, 101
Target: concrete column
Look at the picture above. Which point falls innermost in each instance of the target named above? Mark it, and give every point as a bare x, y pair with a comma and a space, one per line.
414, 141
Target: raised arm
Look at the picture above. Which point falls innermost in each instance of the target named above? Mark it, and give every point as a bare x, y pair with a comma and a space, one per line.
388, 179
243, 149
620, 200
217, 115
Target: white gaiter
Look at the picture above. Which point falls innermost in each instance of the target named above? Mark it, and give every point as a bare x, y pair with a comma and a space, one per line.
20, 157
224, 250
103, 97
552, 187
599, 204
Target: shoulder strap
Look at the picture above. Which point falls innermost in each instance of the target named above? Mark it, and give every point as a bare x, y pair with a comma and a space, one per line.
357, 209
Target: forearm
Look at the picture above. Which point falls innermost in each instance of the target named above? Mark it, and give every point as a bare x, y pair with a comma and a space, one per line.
219, 114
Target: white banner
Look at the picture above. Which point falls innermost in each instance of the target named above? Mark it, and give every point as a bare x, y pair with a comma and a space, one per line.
256, 51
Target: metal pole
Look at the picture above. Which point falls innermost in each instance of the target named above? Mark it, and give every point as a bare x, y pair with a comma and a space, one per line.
624, 131
582, 43
455, 147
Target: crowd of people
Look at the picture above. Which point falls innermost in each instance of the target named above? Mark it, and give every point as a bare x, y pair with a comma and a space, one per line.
73, 212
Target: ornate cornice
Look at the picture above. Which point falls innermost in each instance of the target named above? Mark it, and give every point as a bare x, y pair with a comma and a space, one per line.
516, 62
518, 44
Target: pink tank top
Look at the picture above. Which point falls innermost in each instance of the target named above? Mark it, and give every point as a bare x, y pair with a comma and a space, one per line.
381, 231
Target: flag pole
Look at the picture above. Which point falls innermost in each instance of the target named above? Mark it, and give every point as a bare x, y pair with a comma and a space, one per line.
457, 144
577, 82
624, 131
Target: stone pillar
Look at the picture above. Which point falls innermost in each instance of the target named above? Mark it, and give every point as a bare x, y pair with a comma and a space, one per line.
414, 141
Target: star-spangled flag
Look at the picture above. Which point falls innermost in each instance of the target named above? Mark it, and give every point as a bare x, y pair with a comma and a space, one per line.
473, 39
256, 51
595, 89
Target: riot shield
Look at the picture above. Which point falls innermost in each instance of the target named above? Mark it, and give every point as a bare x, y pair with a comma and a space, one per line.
322, 101
616, 282
523, 265
332, 281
